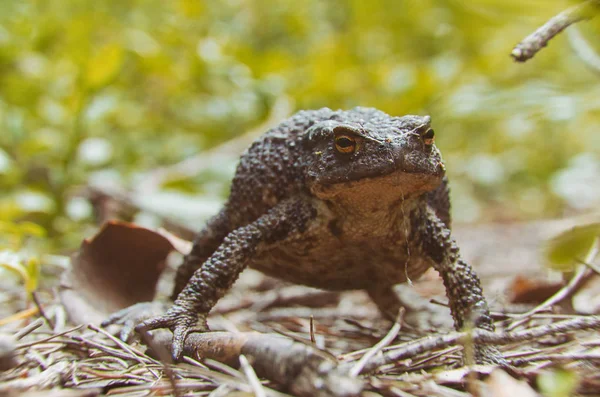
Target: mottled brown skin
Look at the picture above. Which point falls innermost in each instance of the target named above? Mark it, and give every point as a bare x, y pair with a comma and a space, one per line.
303, 210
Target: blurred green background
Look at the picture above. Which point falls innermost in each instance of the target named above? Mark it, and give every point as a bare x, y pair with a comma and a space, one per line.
104, 92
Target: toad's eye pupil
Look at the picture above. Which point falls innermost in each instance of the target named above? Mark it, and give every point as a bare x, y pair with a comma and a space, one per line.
429, 134
344, 142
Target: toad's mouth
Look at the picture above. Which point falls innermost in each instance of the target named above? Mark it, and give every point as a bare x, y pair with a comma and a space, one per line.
398, 182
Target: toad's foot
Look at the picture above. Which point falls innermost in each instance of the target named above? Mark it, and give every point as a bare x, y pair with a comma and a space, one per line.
133, 315
181, 322
487, 354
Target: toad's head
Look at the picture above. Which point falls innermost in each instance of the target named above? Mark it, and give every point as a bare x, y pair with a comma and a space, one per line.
365, 150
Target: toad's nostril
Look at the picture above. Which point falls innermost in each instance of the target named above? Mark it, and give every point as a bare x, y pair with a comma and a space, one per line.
428, 137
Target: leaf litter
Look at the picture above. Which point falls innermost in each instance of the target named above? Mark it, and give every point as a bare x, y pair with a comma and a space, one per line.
274, 339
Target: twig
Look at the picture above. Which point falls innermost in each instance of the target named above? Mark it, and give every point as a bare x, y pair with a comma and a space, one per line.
563, 357
572, 286
480, 336
26, 345
19, 316
36, 300
155, 389
107, 375
106, 349
251, 376
300, 339
135, 355
566, 291
389, 338
589, 260
29, 329
51, 376
551, 316
230, 377
539, 39
446, 352
216, 365
165, 359
400, 393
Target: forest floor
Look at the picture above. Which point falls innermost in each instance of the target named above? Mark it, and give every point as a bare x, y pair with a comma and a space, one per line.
279, 339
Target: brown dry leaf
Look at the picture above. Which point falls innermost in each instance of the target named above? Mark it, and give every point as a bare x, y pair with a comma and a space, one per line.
500, 384
182, 246
116, 268
530, 290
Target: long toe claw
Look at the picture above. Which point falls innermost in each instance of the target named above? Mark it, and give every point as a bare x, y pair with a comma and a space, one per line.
154, 323
180, 333
127, 332
116, 317
132, 315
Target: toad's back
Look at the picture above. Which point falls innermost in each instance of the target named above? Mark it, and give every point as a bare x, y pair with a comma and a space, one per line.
361, 235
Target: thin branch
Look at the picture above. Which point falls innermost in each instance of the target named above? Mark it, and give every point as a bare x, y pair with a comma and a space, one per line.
539, 39
44, 340
583, 273
19, 316
389, 338
479, 336
36, 301
562, 357
165, 359
257, 387
572, 286
29, 329
135, 355
589, 260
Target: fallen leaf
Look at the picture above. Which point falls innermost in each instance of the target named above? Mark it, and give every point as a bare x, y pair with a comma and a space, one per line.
116, 268
182, 246
566, 250
531, 290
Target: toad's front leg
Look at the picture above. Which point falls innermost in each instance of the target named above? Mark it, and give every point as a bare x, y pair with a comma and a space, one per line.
463, 288
210, 282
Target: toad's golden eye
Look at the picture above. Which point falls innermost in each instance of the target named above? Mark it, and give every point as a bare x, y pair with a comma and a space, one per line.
345, 144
